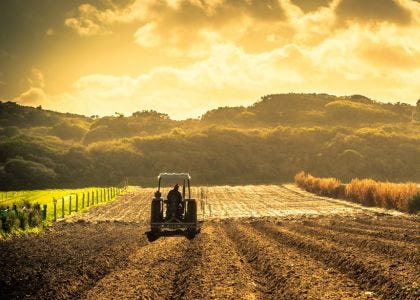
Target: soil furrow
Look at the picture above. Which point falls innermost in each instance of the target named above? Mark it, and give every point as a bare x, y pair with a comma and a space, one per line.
269, 277
390, 223
370, 276
372, 231
289, 273
149, 274
393, 250
213, 270
66, 260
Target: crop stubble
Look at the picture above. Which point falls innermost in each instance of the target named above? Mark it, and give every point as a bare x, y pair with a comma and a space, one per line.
260, 242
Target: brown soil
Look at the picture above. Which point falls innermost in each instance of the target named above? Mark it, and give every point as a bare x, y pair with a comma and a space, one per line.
256, 242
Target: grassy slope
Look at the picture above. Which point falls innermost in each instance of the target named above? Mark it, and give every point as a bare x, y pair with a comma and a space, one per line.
47, 197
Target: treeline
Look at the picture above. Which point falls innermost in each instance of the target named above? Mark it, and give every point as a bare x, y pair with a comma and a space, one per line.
270, 141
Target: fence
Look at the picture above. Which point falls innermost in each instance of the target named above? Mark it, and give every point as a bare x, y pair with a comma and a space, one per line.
30, 214
74, 202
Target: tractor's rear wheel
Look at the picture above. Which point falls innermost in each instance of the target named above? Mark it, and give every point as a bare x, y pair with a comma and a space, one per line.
155, 216
191, 216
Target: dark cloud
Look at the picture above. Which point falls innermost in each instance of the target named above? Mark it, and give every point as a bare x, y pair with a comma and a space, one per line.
180, 26
373, 10
265, 10
310, 5
188, 12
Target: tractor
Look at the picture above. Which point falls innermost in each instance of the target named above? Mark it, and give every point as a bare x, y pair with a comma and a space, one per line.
167, 214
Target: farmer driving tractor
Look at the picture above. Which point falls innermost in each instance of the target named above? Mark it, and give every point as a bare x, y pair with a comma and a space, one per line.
175, 207
181, 209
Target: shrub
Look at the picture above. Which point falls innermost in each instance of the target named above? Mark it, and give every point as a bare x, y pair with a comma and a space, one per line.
35, 218
11, 221
67, 131
414, 204
29, 173
23, 216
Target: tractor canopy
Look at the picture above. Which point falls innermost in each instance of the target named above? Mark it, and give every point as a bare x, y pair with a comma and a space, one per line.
182, 178
174, 177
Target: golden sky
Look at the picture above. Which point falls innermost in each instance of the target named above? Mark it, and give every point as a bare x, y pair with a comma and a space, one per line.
183, 57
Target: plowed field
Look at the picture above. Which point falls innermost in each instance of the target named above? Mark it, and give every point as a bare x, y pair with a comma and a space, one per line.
256, 242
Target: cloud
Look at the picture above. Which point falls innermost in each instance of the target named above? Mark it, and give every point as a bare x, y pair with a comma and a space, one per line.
92, 21
376, 11
234, 51
232, 76
49, 32
189, 26
33, 97
311, 5
391, 56
85, 27
36, 78
146, 36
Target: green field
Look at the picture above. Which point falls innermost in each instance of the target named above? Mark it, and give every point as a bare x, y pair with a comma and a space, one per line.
46, 197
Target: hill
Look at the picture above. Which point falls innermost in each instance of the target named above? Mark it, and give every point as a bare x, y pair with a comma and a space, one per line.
267, 142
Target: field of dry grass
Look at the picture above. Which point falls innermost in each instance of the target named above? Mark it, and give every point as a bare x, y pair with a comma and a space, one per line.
404, 197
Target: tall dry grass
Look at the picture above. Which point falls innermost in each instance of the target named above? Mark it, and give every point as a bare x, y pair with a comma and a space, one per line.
383, 194
404, 197
330, 187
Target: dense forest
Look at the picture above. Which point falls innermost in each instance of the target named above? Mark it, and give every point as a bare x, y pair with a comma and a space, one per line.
267, 142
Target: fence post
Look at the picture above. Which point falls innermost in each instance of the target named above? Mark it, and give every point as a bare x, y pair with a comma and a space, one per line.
70, 205
101, 196
77, 202
44, 212
55, 209
83, 200
88, 198
108, 193
97, 196
62, 207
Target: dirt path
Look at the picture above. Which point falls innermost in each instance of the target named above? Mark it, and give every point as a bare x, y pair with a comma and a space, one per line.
258, 242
